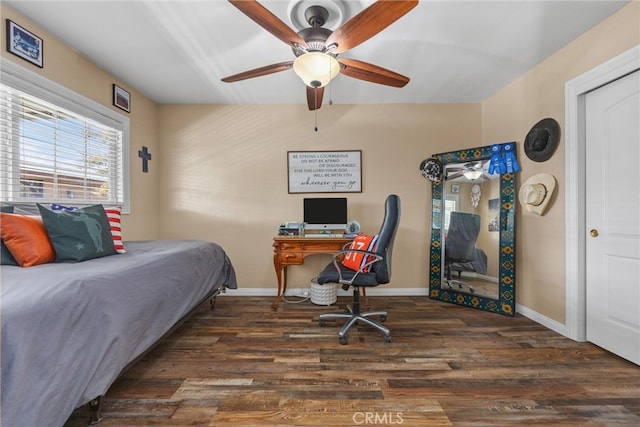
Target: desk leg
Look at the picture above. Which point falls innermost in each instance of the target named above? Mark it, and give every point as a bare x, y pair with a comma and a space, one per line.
278, 268
281, 271
366, 300
282, 286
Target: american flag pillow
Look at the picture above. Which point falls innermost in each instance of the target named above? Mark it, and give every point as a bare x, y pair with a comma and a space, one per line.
116, 230
113, 214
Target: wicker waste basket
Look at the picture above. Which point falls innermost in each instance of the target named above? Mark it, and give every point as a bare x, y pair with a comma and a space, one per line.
323, 294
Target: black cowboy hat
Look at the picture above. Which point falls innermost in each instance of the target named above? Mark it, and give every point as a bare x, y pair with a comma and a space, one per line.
542, 140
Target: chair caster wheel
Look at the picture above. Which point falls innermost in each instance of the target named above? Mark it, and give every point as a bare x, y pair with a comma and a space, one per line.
321, 322
343, 340
383, 318
387, 338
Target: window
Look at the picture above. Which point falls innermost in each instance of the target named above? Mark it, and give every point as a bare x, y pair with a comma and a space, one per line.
56, 146
449, 206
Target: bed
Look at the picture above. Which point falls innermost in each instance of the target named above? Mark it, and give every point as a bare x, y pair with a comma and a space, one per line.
69, 330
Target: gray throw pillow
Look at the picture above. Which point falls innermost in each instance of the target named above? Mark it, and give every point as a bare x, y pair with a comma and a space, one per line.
5, 256
78, 235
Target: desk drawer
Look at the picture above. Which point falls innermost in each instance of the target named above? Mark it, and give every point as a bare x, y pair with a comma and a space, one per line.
326, 247
291, 258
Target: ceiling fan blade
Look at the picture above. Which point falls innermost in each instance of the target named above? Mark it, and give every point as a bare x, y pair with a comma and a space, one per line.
453, 175
476, 165
314, 97
371, 73
368, 23
257, 72
267, 20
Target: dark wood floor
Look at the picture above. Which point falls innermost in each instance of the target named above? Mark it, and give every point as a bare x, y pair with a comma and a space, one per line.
242, 364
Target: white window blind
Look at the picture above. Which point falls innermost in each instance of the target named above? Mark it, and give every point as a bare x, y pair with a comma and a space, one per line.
50, 153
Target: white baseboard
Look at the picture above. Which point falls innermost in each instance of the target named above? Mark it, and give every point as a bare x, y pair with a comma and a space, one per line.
543, 320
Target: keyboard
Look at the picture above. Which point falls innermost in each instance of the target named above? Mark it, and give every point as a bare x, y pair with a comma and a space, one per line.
324, 235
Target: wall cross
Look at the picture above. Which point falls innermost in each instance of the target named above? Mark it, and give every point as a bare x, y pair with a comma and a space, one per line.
145, 156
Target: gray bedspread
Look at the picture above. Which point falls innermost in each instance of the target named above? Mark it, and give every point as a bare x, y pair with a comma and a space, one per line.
68, 330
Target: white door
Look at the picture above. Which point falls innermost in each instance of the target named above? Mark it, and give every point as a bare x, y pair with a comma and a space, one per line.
613, 216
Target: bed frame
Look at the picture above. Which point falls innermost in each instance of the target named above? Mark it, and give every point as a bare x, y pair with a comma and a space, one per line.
95, 405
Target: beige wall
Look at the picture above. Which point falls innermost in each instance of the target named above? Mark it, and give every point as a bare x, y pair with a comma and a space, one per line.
224, 175
219, 172
509, 115
66, 67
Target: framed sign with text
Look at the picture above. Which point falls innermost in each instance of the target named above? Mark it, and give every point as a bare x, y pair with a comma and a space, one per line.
325, 171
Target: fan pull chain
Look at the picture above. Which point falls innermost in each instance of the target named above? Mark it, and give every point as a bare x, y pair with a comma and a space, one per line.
330, 85
315, 94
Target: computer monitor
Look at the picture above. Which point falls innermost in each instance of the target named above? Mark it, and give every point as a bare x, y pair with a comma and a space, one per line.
325, 213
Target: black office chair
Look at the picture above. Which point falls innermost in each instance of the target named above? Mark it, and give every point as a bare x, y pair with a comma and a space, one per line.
460, 244
379, 273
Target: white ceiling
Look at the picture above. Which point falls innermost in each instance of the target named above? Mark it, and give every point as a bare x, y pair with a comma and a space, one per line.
177, 51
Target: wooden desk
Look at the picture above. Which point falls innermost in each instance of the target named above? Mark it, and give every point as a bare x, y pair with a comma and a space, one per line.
292, 250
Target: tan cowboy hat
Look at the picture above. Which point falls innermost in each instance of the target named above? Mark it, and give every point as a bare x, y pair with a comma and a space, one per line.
536, 193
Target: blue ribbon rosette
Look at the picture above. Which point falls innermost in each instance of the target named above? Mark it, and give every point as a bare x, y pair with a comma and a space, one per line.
503, 158
496, 165
510, 160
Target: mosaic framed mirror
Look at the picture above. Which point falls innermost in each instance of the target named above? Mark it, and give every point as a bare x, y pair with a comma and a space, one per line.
472, 248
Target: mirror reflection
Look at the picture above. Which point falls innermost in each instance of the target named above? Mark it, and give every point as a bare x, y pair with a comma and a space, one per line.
471, 232
472, 250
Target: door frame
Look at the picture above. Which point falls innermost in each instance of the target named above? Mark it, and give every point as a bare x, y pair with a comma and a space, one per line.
575, 191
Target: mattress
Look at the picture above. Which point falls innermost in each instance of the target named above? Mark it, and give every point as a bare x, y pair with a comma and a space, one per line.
68, 330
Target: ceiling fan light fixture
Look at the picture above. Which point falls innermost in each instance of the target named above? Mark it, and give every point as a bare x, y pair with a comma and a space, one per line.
316, 69
472, 175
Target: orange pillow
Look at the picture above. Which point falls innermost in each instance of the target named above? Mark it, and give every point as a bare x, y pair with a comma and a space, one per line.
27, 239
358, 260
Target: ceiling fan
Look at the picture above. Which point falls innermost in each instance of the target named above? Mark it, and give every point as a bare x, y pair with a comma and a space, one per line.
316, 48
470, 170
